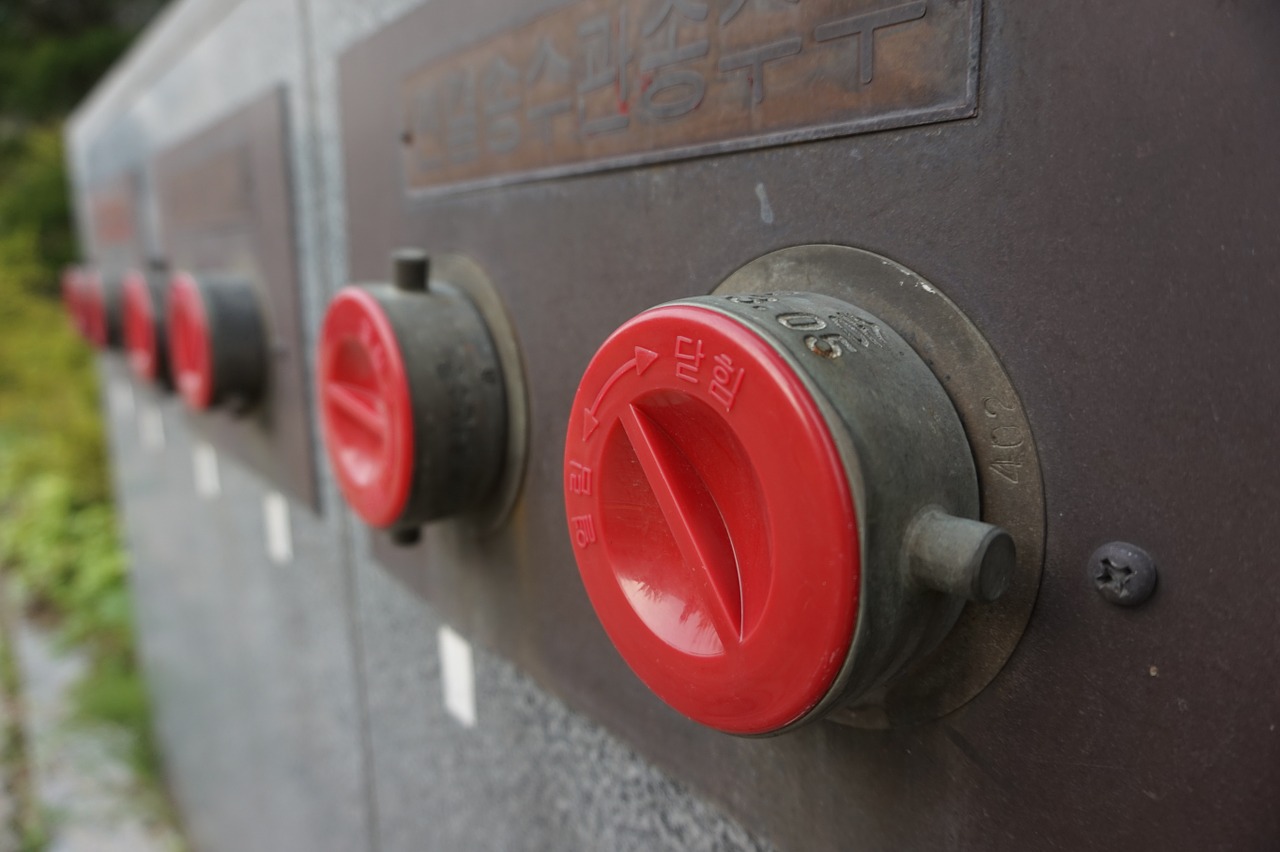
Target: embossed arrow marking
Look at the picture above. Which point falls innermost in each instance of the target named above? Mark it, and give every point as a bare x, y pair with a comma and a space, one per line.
643, 359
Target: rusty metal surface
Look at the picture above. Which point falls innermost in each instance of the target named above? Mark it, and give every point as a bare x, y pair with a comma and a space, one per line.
225, 209
599, 84
1108, 219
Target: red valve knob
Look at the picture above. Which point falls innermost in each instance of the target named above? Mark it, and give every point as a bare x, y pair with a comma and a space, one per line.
190, 347
217, 341
412, 398
366, 408
699, 472
145, 326
764, 516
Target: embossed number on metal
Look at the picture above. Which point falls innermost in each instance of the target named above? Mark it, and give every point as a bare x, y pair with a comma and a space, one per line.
609, 83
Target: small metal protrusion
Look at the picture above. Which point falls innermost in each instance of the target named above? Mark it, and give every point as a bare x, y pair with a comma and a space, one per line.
959, 556
1124, 574
411, 270
406, 536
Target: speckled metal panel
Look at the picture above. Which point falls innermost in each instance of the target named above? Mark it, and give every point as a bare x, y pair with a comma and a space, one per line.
225, 209
253, 665
251, 662
532, 774
1107, 219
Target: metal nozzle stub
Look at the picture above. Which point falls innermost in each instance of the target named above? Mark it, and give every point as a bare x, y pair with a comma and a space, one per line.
958, 556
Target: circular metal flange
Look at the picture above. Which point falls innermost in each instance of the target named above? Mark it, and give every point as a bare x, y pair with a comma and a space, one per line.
468, 277
1004, 452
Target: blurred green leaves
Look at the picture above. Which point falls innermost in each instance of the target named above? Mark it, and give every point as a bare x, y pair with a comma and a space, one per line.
57, 528
42, 78
35, 206
58, 534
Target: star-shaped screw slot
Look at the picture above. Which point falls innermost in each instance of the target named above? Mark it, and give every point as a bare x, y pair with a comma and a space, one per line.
1113, 573
1122, 573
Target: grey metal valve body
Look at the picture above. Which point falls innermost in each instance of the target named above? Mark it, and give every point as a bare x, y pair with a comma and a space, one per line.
925, 552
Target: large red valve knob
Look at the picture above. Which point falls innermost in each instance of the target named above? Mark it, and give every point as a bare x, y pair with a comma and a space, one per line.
772, 505
217, 341
146, 327
412, 399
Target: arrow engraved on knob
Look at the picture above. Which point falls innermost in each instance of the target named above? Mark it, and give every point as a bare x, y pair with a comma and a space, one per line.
695, 522
643, 359
361, 406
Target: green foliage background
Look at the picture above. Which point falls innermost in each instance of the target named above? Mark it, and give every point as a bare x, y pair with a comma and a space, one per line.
58, 535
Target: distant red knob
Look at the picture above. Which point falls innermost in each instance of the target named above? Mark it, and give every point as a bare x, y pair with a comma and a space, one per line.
217, 341
770, 501
145, 328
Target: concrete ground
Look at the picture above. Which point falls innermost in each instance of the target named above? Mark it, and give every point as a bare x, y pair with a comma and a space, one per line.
79, 774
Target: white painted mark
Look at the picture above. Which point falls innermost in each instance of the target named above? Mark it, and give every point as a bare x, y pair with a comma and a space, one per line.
151, 428
121, 396
766, 210
458, 671
205, 462
275, 515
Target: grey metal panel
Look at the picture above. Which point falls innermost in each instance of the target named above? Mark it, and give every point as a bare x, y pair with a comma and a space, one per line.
530, 775
252, 662
247, 233
179, 589
1108, 221
249, 661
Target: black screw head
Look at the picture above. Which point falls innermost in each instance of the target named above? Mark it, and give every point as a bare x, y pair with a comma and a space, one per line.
1124, 574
